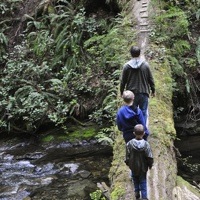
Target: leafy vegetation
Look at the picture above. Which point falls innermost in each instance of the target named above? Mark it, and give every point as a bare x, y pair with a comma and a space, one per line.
176, 25
97, 195
63, 65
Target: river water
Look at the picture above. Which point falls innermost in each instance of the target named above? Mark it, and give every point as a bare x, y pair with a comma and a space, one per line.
33, 170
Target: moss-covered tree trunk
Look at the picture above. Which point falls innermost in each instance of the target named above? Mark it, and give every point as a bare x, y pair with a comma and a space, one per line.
163, 182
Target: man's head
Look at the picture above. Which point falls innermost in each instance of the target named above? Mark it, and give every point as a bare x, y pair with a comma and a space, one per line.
139, 130
128, 96
135, 51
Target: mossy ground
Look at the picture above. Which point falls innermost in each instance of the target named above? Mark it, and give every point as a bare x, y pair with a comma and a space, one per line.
182, 183
76, 133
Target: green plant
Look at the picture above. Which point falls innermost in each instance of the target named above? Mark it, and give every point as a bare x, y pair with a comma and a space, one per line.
3, 46
171, 24
97, 195
180, 48
198, 50
65, 60
106, 135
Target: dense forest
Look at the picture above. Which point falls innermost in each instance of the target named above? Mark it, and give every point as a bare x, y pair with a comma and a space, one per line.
59, 62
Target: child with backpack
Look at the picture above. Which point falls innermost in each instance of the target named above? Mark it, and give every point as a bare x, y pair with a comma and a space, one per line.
139, 159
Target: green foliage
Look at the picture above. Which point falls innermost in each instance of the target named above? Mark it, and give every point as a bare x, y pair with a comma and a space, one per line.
40, 42
172, 30
48, 138
7, 6
176, 67
112, 45
70, 28
180, 47
97, 195
198, 50
65, 60
3, 45
108, 108
172, 23
105, 135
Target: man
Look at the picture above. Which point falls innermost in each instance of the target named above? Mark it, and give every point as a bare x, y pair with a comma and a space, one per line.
139, 158
137, 77
129, 116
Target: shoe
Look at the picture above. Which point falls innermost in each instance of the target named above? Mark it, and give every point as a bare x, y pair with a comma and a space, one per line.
137, 195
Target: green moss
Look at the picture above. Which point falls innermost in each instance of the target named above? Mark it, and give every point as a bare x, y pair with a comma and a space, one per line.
161, 115
76, 133
182, 183
82, 133
62, 137
48, 138
117, 193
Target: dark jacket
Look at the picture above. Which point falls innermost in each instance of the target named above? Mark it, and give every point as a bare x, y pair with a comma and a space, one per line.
127, 118
137, 77
139, 156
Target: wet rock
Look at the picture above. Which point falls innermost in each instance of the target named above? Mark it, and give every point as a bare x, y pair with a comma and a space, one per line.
84, 174
56, 171
81, 189
7, 190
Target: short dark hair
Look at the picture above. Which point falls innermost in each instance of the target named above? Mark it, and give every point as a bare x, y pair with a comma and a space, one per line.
135, 51
139, 129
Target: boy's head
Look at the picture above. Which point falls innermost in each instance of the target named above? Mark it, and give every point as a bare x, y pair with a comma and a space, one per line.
135, 51
139, 131
128, 96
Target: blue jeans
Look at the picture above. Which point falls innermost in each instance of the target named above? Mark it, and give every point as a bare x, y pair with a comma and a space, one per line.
140, 184
141, 100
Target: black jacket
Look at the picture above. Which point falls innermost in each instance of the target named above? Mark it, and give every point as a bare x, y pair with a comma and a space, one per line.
137, 77
139, 156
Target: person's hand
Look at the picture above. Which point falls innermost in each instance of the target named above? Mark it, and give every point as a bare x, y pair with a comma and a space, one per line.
153, 94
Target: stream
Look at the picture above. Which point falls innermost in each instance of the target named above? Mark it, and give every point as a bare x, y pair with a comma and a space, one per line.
34, 170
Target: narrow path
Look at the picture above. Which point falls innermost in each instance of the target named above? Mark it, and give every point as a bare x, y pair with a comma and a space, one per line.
159, 179
142, 28
141, 9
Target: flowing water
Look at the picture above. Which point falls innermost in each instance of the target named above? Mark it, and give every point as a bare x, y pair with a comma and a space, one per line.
31, 170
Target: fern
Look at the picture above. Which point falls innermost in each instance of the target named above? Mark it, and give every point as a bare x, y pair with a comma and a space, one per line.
173, 23
176, 67
198, 50
180, 47
3, 46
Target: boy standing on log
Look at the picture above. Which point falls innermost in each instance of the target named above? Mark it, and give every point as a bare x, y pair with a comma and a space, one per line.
139, 158
128, 116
